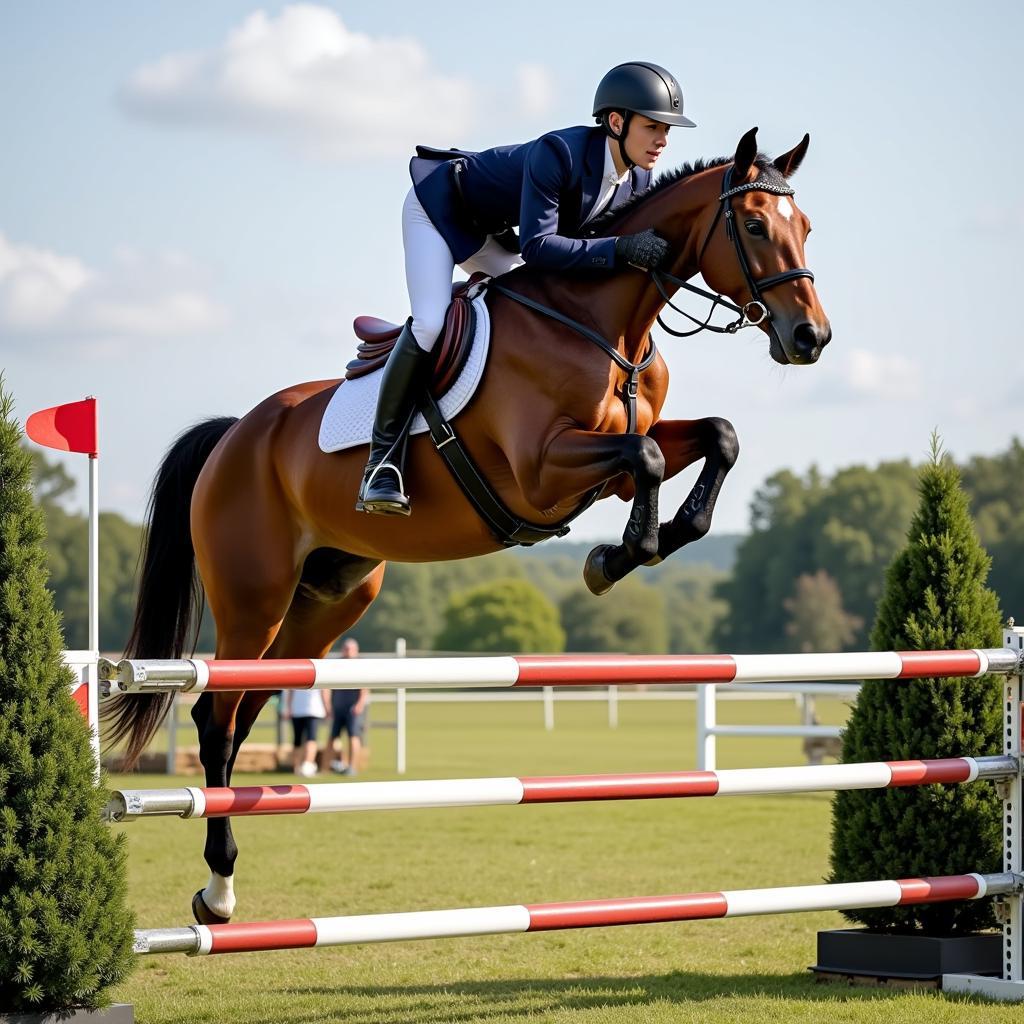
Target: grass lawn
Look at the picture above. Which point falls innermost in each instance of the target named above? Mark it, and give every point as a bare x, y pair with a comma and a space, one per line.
746, 969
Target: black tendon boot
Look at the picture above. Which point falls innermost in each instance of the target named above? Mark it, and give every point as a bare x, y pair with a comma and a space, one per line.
406, 375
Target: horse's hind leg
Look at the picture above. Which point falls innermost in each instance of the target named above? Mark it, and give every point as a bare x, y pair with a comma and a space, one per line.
250, 571
217, 720
334, 590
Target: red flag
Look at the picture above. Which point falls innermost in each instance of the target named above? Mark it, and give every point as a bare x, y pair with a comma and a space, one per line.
69, 428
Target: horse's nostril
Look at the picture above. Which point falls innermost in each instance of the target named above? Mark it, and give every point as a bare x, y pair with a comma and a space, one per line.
809, 340
806, 335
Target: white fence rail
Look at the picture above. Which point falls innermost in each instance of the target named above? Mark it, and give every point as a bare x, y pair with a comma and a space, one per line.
708, 729
706, 699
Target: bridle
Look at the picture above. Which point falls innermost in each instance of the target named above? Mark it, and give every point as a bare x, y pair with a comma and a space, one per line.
756, 286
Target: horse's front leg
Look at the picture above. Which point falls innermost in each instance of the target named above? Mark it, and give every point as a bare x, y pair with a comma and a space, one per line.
684, 442
575, 461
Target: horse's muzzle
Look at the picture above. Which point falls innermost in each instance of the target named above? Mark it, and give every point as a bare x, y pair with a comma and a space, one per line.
806, 343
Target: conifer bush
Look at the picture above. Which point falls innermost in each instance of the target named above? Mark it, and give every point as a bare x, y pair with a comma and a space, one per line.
935, 598
65, 931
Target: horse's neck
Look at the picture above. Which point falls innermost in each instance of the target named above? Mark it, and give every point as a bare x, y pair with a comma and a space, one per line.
623, 307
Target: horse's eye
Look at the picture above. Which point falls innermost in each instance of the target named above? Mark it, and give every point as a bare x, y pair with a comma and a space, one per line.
756, 228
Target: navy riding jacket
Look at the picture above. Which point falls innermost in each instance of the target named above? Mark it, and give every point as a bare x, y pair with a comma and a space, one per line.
546, 187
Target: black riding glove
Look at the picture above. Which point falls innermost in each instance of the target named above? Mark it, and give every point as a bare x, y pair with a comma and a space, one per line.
645, 249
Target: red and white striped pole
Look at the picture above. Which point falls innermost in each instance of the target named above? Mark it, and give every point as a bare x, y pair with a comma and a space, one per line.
260, 936
220, 802
135, 676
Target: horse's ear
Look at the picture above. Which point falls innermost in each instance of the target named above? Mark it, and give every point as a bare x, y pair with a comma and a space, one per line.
743, 161
790, 162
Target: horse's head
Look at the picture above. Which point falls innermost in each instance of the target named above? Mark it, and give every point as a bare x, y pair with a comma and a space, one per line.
754, 252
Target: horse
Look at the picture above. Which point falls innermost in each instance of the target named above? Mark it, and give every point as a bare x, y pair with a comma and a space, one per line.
250, 513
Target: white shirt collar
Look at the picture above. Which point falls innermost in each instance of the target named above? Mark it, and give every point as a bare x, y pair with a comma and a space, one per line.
612, 176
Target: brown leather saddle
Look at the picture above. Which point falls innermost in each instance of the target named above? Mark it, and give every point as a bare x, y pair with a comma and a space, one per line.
377, 338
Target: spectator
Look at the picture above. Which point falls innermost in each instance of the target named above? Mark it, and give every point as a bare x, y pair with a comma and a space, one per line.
348, 714
306, 708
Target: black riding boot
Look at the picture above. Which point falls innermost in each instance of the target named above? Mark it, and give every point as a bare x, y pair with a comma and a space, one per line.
406, 374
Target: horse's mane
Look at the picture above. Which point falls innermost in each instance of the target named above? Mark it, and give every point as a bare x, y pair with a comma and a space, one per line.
603, 222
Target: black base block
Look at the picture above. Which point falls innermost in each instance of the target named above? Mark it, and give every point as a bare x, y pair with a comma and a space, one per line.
859, 953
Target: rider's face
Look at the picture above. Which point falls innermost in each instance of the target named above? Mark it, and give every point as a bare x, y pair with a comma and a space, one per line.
645, 141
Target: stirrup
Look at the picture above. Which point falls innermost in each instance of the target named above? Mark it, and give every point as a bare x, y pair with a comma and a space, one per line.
389, 502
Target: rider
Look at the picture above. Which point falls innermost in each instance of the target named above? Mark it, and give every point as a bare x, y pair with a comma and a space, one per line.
461, 210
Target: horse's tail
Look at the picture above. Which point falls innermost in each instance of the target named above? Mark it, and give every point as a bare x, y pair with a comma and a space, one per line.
170, 593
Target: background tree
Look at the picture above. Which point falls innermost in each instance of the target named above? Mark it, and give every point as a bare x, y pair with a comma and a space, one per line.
849, 526
996, 486
68, 558
725, 593
406, 607
935, 598
817, 620
510, 616
692, 611
65, 932
630, 620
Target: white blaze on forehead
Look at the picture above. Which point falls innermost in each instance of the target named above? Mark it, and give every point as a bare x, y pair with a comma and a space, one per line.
785, 207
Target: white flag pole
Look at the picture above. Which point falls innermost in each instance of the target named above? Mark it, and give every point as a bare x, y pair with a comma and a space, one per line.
94, 547
94, 554
94, 598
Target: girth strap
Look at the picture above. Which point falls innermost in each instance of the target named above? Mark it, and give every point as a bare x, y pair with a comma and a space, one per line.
507, 527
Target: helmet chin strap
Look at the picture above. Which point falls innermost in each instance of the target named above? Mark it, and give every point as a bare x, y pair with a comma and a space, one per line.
627, 116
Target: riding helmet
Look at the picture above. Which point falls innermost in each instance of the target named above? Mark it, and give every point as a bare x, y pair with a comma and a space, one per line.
642, 88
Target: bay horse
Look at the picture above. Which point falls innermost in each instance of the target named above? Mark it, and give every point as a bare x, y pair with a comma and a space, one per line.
250, 512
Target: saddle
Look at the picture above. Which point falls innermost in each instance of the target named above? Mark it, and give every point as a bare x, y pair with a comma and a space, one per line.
377, 338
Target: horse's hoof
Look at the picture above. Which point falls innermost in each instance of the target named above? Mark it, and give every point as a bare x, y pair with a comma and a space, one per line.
203, 914
593, 570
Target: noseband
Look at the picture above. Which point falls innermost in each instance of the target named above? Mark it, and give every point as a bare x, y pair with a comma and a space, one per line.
756, 286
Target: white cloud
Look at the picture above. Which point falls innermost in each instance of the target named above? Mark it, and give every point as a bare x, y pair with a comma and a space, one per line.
861, 375
36, 286
307, 79
882, 375
46, 295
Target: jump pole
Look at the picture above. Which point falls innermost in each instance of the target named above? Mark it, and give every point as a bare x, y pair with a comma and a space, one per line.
220, 802
261, 936
193, 675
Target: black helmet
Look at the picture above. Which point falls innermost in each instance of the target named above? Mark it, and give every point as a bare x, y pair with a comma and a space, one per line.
642, 88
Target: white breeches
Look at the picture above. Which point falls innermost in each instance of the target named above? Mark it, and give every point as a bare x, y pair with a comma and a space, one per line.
429, 266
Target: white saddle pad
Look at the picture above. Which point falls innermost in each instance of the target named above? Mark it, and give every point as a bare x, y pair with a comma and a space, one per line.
348, 419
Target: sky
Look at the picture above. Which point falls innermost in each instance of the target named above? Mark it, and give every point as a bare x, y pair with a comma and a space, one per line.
197, 198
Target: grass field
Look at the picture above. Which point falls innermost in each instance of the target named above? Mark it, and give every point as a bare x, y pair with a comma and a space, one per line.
748, 969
